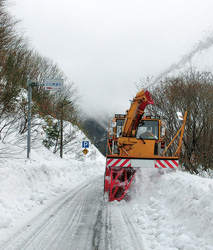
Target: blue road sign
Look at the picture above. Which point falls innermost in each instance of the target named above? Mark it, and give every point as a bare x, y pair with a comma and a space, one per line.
85, 144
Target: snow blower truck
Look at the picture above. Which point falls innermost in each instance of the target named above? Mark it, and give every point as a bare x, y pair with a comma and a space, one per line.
136, 141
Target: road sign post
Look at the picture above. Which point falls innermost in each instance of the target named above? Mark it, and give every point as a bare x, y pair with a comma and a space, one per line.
29, 118
50, 84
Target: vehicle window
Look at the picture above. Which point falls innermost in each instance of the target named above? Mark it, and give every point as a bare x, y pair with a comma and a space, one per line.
148, 130
120, 123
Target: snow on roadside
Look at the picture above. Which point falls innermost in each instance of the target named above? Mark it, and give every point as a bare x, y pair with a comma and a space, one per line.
27, 185
173, 210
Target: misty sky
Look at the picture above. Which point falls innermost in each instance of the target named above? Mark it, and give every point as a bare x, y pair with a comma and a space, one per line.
104, 46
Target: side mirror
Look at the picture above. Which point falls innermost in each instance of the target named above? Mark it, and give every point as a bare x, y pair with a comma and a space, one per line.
163, 131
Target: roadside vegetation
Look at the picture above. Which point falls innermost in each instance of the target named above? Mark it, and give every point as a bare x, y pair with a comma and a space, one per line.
190, 91
19, 62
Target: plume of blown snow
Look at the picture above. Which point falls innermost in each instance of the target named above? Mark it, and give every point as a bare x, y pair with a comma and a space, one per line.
199, 47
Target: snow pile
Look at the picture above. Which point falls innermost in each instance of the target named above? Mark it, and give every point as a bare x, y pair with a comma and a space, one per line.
28, 185
174, 210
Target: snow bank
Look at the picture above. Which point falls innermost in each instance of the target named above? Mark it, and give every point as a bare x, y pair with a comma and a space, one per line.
174, 210
171, 210
26, 185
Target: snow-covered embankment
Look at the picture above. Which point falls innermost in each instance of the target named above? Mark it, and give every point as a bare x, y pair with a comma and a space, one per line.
174, 210
29, 185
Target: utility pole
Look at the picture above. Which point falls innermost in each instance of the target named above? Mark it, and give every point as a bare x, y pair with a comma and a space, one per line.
29, 118
61, 142
64, 103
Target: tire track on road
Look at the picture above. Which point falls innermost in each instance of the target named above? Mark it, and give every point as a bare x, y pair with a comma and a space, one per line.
24, 238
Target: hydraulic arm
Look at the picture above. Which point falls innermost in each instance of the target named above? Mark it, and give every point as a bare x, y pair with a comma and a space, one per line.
135, 113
